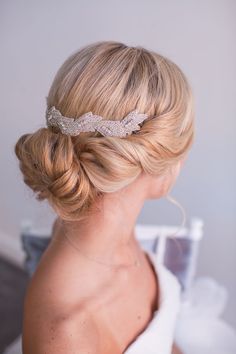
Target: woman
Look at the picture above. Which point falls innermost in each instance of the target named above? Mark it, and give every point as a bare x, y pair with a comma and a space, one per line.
95, 290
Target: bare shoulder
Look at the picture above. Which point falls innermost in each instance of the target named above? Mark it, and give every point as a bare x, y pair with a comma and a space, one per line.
59, 314
56, 319
60, 333
60, 320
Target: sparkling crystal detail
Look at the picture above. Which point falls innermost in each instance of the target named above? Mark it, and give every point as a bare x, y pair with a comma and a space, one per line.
90, 122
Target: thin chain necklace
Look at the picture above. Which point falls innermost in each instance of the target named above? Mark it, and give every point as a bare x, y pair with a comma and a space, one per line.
136, 263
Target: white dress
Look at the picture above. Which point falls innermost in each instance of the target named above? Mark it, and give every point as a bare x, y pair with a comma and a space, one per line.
194, 325
157, 338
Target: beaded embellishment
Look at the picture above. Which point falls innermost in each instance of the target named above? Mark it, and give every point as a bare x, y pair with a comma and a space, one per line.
90, 122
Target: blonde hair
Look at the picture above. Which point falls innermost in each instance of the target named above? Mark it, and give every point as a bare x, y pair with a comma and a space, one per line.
110, 79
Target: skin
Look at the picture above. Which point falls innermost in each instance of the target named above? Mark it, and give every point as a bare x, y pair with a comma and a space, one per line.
71, 300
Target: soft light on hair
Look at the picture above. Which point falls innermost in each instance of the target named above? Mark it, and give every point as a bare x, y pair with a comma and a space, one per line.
110, 79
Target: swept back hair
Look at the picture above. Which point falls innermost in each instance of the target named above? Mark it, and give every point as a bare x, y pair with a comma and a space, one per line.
110, 79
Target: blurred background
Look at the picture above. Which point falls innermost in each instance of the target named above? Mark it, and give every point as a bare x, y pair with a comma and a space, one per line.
36, 38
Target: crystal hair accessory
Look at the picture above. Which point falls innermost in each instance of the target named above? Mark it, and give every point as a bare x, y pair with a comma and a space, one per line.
90, 122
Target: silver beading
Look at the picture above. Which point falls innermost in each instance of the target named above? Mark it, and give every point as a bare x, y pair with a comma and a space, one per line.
90, 122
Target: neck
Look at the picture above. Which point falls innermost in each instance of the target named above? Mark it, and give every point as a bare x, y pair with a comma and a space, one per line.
108, 234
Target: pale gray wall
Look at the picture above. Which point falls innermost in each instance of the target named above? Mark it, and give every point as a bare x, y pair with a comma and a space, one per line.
37, 36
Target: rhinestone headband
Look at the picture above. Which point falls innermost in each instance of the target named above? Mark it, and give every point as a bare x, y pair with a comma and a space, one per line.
90, 122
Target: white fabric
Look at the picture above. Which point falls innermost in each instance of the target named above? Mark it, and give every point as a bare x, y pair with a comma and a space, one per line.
157, 338
193, 324
200, 330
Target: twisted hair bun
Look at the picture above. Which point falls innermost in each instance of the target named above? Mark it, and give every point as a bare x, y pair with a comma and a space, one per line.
52, 170
109, 79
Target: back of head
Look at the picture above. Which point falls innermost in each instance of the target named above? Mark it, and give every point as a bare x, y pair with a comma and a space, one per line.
109, 79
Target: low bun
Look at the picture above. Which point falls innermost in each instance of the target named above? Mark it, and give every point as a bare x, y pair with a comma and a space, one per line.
53, 171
